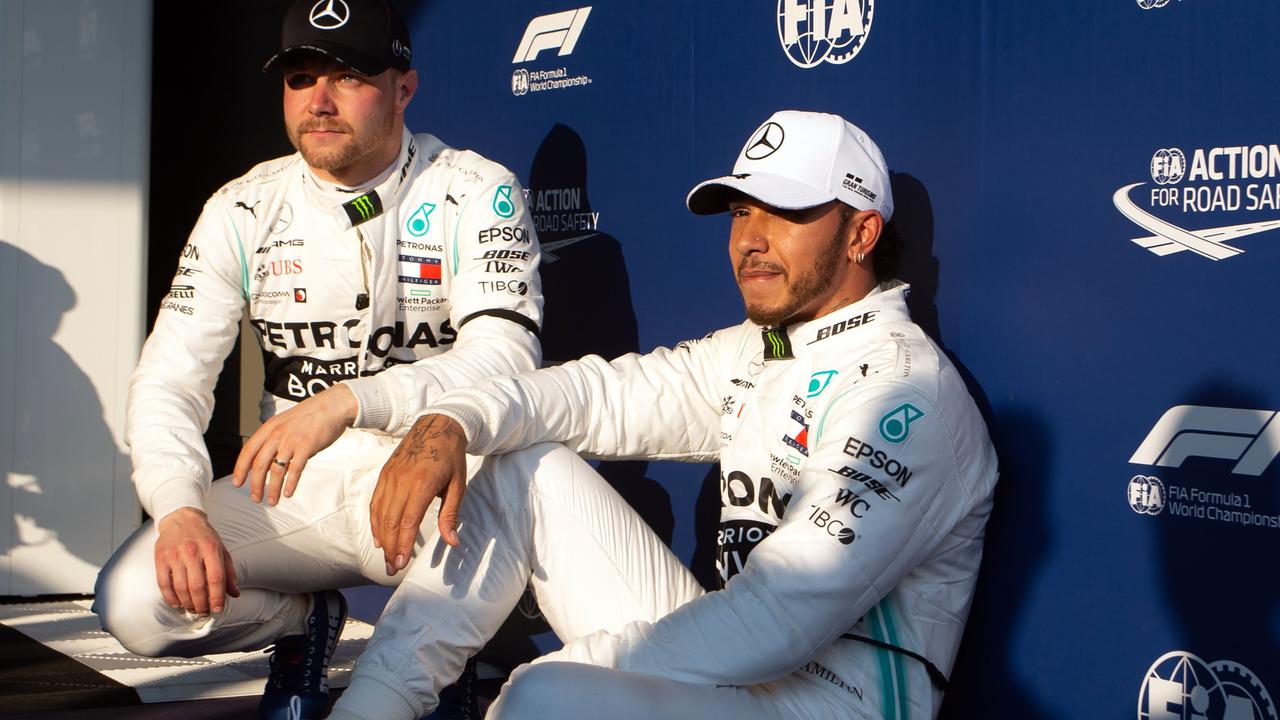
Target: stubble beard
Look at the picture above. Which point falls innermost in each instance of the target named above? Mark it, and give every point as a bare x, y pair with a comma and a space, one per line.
809, 283
344, 154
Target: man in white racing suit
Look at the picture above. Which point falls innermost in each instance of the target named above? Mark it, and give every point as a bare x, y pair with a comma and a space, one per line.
379, 268
856, 482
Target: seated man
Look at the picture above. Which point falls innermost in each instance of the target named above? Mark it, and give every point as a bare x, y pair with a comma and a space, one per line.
856, 483
379, 268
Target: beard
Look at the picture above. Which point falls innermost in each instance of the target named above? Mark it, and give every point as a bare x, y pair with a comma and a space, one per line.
810, 282
336, 156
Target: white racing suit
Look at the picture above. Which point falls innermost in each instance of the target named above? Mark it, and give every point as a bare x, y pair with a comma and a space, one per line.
369, 286
857, 478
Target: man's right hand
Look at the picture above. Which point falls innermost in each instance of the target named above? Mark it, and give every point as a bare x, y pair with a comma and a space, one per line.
193, 568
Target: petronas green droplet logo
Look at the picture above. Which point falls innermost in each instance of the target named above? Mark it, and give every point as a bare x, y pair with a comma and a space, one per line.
420, 221
502, 204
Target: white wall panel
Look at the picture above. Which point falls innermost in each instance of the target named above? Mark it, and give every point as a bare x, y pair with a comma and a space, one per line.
74, 75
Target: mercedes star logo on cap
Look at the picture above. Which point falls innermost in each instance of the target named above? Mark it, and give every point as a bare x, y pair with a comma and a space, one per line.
766, 141
330, 14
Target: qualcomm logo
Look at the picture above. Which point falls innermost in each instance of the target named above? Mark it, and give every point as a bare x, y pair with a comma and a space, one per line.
1181, 686
817, 31
1213, 169
548, 32
1247, 436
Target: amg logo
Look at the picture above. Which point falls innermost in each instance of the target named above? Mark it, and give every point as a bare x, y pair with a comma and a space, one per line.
296, 242
1250, 437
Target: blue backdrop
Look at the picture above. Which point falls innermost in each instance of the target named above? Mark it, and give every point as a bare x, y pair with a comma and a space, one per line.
1117, 339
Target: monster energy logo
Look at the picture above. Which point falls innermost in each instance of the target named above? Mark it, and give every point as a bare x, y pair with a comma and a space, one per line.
364, 208
777, 346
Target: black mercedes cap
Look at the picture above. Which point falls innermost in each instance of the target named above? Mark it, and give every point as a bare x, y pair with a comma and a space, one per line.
367, 35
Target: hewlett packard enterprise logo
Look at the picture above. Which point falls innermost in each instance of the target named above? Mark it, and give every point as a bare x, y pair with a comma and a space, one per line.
816, 31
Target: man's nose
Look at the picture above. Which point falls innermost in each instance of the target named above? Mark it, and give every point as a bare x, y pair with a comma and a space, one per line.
751, 236
321, 100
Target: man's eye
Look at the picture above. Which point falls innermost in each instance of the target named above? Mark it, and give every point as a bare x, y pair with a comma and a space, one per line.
349, 79
299, 81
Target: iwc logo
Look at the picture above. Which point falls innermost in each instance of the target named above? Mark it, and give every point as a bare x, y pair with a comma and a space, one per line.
817, 31
1181, 686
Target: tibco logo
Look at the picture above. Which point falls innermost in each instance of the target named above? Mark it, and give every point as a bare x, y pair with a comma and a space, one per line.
1250, 437
548, 32
817, 31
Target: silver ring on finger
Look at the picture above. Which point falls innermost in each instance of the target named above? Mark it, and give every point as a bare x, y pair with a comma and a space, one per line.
281, 463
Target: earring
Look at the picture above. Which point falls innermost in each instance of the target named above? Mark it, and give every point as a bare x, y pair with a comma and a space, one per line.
858, 257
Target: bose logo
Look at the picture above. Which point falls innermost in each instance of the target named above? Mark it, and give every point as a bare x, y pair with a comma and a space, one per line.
558, 30
1248, 436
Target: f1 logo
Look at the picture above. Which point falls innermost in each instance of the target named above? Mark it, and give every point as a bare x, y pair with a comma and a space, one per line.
558, 30
1251, 437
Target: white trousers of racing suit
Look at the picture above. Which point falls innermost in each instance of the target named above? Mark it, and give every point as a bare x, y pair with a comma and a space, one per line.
543, 516
540, 516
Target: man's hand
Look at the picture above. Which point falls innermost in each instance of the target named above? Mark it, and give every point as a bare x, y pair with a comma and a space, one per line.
274, 457
430, 462
193, 567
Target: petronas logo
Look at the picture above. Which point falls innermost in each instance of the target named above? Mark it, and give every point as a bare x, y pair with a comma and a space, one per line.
502, 204
420, 222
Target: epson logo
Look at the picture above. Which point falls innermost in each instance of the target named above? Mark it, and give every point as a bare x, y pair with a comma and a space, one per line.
549, 32
817, 31
1251, 438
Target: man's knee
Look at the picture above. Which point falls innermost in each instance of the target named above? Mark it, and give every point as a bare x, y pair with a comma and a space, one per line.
535, 692
128, 601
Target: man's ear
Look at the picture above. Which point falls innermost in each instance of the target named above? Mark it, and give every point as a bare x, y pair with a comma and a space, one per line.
406, 86
863, 232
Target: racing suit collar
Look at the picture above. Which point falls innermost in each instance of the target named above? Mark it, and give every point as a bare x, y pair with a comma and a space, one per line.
887, 300
386, 186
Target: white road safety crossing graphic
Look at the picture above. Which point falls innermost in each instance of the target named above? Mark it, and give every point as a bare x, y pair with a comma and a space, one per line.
1251, 437
1169, 238
547, 32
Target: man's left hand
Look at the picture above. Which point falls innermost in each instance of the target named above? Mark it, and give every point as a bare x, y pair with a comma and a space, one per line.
430, 462
274, 457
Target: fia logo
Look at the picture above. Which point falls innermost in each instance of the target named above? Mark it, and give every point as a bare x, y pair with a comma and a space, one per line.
1146, 495
520, 82
1148, 4
1181, 686
817, 31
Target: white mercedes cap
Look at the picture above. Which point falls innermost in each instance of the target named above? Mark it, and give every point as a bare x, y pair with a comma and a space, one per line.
798, 160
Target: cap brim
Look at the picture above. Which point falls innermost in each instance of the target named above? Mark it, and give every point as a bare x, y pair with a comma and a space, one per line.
359, 62
713, 196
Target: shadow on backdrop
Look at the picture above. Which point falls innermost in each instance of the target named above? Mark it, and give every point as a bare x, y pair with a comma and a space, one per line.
588, 311
1213, 572
987, 671
45, 484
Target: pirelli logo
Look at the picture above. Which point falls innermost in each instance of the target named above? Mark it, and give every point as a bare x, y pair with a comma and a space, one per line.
364, 208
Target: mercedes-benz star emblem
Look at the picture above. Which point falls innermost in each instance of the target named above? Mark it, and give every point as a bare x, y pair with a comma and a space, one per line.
330, 14
766, 142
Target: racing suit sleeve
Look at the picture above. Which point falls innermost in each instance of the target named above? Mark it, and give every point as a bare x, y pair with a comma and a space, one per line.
656, 406
495, 304
841, 546
171, 391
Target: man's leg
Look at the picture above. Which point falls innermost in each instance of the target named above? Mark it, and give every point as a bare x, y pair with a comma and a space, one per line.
540, 513
565, 691
281, 554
